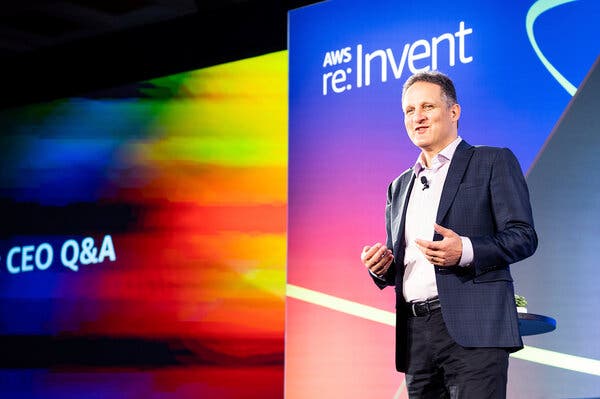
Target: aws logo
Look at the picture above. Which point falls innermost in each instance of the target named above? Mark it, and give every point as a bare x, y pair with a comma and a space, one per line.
337, 57
358, 66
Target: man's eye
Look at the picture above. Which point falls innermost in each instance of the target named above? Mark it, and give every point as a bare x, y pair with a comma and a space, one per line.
409, 111
428, 107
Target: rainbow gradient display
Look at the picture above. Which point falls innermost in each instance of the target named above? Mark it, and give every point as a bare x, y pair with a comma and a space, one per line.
187, 174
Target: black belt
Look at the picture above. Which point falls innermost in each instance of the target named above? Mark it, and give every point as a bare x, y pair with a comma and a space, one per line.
423, 308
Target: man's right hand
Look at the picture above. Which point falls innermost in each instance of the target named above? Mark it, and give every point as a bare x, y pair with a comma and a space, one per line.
377, 258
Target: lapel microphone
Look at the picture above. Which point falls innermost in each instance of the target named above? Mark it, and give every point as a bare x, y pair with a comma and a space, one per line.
424, 182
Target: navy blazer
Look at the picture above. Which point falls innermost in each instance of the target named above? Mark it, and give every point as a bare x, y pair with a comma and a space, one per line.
485, 198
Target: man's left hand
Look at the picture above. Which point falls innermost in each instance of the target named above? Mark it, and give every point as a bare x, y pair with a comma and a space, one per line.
446, 252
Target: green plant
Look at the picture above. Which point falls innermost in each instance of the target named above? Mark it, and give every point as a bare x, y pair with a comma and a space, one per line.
521, 301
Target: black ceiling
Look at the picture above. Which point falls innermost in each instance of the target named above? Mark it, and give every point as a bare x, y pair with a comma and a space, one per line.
56, 48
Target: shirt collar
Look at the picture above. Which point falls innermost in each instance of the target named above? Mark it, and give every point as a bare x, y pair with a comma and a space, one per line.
441, 158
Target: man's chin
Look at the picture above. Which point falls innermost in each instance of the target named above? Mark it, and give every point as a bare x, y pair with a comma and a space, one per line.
422, 143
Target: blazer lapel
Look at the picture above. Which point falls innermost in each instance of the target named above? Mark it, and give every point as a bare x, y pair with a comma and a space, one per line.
458, 166
406, 185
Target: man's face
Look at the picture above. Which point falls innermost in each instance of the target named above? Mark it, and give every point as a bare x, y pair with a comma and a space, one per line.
430, 123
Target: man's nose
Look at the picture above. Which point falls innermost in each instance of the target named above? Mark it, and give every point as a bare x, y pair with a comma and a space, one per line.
419, 116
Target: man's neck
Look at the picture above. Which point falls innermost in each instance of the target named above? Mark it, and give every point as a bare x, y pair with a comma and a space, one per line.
427, 155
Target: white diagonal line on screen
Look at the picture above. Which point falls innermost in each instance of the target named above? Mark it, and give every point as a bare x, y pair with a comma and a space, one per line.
529, 353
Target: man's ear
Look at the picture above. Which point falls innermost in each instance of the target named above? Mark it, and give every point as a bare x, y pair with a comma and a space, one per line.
455, 112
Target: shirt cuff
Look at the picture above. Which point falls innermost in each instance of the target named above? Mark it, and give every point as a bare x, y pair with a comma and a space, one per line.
467, 252
374, 275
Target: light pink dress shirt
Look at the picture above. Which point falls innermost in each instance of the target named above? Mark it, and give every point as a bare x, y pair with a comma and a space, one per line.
419, 281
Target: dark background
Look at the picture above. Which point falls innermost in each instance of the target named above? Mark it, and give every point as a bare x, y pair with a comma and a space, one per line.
59, 48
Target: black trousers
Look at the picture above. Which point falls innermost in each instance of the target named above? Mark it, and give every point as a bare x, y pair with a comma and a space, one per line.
440, 368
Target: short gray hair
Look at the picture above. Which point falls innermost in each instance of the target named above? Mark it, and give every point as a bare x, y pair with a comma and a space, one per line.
437, 78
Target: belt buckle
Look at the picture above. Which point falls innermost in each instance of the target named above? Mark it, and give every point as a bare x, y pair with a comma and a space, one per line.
412, 308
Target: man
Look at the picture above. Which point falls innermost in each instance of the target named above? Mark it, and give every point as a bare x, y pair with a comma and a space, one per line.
455, 221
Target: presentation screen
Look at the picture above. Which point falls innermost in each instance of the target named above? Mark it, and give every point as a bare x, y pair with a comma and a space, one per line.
527, 76
142, 238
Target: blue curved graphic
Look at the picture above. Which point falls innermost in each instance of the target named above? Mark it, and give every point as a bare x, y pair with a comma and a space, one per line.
538, 8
